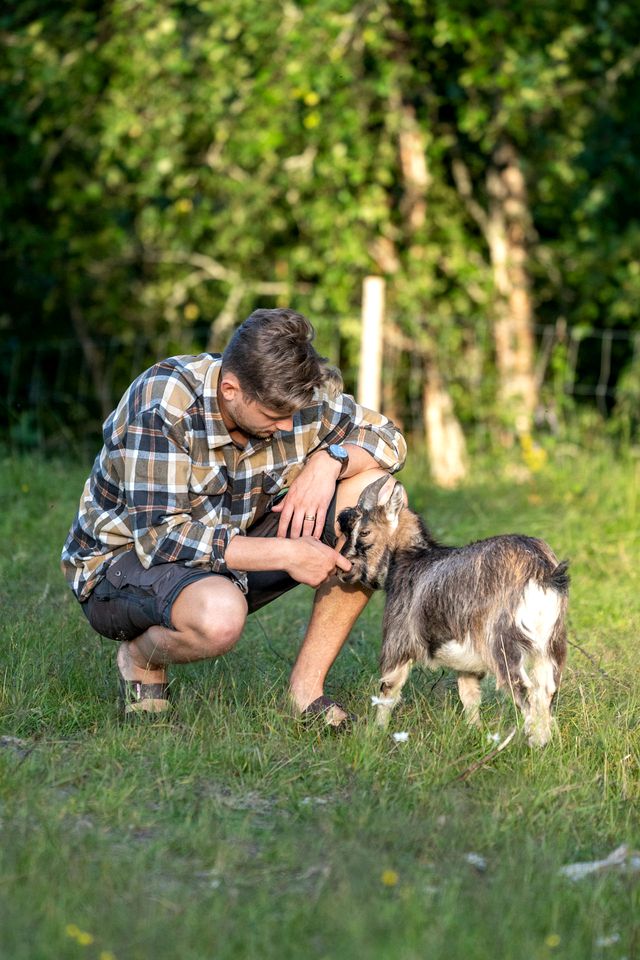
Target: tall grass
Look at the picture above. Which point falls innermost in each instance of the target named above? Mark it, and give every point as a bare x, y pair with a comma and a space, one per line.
233, 831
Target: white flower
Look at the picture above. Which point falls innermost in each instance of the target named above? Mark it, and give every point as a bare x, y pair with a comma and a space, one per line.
383, 701
493, 737
401, 737
476, 861
608, 941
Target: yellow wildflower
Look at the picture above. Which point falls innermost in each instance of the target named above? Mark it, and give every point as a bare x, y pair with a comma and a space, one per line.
389, 878
82, 937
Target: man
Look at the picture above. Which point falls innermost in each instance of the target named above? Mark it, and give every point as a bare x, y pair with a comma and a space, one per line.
217, 490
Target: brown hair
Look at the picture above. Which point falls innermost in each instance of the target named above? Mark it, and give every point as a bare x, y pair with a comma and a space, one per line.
272, 356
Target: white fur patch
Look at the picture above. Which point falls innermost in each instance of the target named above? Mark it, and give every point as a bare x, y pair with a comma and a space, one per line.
460, 656
537, 614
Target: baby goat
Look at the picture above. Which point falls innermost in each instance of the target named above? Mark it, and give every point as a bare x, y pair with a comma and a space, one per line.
497, 605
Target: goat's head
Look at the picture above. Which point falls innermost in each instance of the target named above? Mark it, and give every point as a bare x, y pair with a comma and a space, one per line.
371, 529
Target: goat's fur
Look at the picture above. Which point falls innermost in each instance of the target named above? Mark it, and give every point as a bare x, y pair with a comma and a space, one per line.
495, 606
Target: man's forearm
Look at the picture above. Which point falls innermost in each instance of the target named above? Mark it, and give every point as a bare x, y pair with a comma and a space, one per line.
258, 553
305, 559
359, 461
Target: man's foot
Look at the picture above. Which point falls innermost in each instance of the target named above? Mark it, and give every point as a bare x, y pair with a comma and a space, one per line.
130, 669
333, 714
143, 699
143, 691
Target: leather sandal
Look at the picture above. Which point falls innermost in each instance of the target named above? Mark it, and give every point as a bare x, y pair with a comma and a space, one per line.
143, 699
323, 707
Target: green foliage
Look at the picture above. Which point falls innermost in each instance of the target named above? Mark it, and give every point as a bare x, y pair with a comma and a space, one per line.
170, 165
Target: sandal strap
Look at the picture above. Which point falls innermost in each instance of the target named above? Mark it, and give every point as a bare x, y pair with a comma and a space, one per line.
322, 705
133, 690
137, 697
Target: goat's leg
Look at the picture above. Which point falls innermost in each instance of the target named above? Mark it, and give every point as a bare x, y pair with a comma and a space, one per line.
511, 675
391, 684
537, 722
470, 695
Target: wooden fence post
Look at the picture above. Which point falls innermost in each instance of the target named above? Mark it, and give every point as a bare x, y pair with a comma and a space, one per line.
370, 373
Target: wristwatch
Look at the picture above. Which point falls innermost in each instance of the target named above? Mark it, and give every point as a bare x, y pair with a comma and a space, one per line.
337, 452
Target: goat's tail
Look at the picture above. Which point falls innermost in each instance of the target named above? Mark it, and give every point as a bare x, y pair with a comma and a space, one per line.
558, 579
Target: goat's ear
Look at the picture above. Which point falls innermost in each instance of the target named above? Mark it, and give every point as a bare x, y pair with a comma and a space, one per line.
346, 519
371, 497
394, 504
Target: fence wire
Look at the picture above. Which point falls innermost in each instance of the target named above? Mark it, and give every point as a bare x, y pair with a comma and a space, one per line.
53, 397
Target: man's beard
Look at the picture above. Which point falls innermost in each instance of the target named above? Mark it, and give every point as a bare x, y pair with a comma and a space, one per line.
251, 432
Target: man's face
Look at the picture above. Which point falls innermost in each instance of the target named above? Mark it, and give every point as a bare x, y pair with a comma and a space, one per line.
255, 420
239, 412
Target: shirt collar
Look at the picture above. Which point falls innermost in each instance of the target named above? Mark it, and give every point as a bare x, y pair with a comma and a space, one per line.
217, 433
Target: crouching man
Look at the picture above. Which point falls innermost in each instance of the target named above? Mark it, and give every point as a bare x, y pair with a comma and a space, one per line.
217, 490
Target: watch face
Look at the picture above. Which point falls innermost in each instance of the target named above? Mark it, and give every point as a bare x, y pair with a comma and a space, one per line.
338, 452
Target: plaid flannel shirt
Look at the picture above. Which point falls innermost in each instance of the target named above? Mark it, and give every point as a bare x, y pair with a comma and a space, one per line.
170, 482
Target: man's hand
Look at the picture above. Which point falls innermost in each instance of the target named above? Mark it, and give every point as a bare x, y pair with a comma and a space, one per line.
312, 562
305, 558
304, 509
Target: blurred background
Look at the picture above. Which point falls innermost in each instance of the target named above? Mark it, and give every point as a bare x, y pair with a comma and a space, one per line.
167, 167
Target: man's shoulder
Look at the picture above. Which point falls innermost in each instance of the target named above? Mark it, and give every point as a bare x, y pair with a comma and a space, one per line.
186, 373
190, 367
170, 387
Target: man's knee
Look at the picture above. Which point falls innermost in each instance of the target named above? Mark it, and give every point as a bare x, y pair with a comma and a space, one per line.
210, 614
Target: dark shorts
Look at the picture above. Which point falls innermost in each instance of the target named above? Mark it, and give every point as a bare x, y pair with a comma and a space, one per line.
130, 599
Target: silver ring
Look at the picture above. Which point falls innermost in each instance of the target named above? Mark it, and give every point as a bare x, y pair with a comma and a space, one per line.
309, 517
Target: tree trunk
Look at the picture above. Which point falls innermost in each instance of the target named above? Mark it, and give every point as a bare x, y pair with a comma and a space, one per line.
508, 227
445, 439
446, 446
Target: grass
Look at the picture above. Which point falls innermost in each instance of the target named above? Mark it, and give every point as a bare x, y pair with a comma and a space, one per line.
233, 832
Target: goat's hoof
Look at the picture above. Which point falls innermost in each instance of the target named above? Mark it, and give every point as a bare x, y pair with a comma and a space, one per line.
539, 738
382, 719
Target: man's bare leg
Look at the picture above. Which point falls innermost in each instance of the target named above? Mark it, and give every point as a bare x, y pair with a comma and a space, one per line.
336, 608
208, 616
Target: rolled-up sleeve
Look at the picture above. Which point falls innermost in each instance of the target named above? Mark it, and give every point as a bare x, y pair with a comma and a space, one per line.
345, 421
157, 473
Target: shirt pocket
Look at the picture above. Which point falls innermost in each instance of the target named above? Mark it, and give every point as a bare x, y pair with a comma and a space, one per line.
272, 483
208, 480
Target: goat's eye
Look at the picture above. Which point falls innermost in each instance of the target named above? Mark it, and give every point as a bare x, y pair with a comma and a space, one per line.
365, 534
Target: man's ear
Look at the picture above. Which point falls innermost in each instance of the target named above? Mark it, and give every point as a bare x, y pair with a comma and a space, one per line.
229, 387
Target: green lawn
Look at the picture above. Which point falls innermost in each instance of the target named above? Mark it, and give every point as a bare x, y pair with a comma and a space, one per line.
235, 832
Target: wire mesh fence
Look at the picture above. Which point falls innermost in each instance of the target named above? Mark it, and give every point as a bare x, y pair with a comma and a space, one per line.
54, 395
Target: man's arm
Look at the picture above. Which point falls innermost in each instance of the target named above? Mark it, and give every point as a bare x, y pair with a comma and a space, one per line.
371, 441
156, 476
157, 472
305, 559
